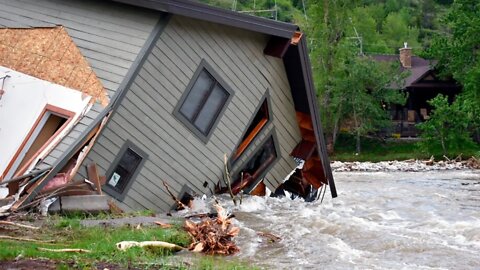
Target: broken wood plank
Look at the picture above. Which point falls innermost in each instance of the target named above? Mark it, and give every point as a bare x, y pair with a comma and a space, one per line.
62, 162
25, 239
103, 180
68, 250
18, 178
93, 176
3, 222
179, 203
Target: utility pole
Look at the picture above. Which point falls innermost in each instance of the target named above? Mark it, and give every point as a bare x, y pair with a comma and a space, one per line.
357, 37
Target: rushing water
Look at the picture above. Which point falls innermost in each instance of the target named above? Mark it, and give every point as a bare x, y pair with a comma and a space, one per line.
421, 220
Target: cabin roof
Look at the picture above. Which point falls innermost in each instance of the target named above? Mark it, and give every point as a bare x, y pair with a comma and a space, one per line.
420, 67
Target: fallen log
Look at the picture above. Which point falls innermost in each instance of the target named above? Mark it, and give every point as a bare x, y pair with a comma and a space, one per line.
124, 245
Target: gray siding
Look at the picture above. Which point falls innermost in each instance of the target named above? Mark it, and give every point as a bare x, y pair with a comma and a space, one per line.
108, 34
175, 153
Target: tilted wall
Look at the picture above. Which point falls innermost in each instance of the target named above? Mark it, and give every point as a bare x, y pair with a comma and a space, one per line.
175, 154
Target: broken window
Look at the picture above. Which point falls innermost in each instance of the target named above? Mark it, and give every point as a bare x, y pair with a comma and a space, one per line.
124, 169
203, 102
259, 121
254, 170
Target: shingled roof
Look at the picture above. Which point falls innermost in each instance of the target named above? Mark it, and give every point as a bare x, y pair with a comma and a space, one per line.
420, 67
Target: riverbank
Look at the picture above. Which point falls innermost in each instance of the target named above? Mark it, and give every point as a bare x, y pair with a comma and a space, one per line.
376, 150
90, 242
405, 166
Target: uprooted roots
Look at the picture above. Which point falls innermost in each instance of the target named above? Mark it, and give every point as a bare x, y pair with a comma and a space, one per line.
213, 235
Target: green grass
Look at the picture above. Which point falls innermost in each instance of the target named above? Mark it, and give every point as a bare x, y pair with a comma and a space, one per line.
68, 233
376, 150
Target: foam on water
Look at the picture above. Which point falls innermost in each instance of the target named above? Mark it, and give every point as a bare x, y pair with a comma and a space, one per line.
400, 220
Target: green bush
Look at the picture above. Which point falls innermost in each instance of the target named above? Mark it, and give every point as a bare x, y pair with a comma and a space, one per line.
447, 129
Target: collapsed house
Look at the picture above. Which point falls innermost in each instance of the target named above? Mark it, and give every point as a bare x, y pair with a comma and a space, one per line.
188, 83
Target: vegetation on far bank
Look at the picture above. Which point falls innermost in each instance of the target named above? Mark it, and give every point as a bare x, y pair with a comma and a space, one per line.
67, 232
375, 150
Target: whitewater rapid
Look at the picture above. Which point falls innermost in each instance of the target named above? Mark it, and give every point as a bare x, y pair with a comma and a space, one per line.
394, 220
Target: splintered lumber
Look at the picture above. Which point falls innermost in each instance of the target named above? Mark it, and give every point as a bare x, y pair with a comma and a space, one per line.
18, 178
34, 190
163, 225
124, 245
179, 203
114, 208
67, 250
3, 222
93, 176
270, 236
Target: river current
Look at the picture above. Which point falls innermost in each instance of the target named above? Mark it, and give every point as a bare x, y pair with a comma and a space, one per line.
394, 220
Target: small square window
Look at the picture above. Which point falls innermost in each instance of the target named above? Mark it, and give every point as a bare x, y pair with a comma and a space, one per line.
203, 101
123, 170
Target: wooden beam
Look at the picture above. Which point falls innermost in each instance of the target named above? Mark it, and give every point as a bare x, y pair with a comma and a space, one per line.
93, 176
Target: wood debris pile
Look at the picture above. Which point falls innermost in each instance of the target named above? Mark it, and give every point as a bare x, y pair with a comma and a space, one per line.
26, 192
213, 235
473, 163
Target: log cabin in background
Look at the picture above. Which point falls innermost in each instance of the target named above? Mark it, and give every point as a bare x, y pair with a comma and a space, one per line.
422, 84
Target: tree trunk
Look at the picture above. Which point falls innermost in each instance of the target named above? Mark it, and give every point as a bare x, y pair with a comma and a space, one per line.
357, 129
358, 142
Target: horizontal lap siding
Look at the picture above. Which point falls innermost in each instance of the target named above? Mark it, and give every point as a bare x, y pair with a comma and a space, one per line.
108, 34
145, 115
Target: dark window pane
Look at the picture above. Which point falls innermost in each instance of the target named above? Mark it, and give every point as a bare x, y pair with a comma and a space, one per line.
130, 160
210, 110
197, 95
265, 155
124, 170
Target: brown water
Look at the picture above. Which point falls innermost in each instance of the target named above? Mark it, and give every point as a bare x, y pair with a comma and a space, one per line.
421, 220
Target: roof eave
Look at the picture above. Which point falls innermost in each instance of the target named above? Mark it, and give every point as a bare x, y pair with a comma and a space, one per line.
217, 15
315, 113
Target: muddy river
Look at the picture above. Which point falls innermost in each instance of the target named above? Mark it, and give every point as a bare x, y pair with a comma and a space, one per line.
395, 220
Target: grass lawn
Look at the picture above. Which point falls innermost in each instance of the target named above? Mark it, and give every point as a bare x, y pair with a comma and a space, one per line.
68, 233
376, 150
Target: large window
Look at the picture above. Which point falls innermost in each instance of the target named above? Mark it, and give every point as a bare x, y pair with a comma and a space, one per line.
257, 166
124, 169
203, 102
258, 122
